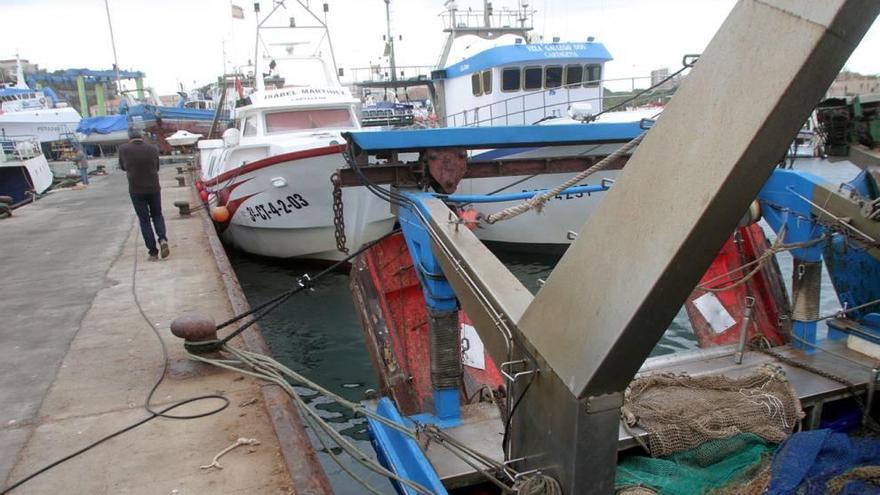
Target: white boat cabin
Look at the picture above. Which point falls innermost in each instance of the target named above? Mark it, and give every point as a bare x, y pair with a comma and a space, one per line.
519, 83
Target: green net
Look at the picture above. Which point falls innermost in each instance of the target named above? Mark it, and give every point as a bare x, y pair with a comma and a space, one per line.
707, 467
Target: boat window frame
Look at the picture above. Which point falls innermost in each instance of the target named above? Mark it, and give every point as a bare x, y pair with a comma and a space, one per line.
561, 76
519, 76
589, 81
252, 119
486, 83
352, 119
540, 78
477, 84
580, 80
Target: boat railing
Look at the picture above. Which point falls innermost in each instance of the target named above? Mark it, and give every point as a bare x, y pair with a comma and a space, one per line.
533, 107
486, 19
19, 147
382, 73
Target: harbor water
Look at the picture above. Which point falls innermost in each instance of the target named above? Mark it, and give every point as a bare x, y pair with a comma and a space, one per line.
318, 334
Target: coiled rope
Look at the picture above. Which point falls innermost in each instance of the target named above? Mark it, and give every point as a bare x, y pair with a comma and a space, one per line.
267, 368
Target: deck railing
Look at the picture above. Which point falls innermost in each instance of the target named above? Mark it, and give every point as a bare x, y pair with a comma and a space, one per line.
477, 19
19, 147
530, 108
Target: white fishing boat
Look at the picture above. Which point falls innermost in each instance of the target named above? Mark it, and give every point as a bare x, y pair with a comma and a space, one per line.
38, 113
270, 178
24, 171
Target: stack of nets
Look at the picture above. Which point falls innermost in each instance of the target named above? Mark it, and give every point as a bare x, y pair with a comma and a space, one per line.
712, 432
681, 412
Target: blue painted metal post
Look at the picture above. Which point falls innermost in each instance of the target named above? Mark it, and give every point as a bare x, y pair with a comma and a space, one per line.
442, 316
784, 202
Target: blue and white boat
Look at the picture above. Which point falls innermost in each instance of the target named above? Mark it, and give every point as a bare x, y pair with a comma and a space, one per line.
491, 74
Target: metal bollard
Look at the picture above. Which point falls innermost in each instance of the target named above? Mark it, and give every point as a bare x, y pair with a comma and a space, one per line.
183, 208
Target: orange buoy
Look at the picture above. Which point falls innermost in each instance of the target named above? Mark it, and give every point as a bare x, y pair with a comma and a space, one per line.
204, 195
220, 214
200, 185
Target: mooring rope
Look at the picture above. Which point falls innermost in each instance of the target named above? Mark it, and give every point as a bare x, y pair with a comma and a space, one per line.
538, 200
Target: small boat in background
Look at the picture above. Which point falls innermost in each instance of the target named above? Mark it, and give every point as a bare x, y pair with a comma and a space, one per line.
196, 116
183, 138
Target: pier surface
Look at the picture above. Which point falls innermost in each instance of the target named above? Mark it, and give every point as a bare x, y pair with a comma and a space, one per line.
78, 358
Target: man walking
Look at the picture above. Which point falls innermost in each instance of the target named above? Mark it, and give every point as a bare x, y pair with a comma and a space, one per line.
82, 163
140, 161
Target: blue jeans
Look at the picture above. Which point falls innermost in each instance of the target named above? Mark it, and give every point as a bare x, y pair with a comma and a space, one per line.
84, 175
149, 211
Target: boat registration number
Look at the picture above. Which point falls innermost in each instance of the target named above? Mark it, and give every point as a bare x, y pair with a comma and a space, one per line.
563, 196
276, 208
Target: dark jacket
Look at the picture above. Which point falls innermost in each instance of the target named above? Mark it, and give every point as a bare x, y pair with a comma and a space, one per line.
140, 161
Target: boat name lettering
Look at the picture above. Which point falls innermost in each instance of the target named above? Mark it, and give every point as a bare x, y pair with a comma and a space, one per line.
277, 208
305, 91
567, 48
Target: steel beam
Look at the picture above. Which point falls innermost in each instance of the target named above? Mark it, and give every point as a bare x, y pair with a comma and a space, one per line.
637, 258
691, 179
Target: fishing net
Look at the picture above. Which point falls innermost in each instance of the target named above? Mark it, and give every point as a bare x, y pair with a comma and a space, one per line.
681, 412
823, 461
713, 465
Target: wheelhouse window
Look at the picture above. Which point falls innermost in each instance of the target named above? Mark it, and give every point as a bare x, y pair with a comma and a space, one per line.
574, 74
510, 79
594, 75
476, 87
533, 77
487, 82
298, 120
553, 76
249, 127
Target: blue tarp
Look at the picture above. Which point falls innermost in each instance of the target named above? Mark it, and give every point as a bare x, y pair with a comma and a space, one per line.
808, 460
103, 125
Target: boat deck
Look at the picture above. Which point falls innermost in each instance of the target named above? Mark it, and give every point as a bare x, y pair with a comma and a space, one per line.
78, 359
813, 390
482, 427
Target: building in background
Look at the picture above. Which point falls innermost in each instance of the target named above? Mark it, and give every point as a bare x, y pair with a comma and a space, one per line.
849, 83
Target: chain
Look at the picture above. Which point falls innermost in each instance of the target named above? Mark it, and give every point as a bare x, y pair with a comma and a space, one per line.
338, 214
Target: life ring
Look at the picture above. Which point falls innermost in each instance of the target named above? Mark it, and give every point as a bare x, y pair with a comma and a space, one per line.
42, 101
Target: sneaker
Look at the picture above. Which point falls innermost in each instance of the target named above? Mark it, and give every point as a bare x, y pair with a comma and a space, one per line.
153, 257
163, 247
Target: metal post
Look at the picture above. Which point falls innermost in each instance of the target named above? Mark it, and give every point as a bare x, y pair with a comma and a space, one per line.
869, 400
139, 84
744, 330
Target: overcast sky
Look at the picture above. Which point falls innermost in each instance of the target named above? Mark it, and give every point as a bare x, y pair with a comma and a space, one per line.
181, 41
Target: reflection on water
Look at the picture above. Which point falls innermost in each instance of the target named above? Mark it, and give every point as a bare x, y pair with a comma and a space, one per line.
318, 334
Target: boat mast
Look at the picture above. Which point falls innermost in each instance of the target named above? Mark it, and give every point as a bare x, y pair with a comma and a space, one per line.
113, 44
20, 83
390, 40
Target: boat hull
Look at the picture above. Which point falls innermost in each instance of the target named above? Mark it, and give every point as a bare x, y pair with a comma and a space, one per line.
47, 125
282, 207
20, 176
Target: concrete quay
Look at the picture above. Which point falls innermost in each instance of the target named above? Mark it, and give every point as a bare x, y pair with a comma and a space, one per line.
77, 359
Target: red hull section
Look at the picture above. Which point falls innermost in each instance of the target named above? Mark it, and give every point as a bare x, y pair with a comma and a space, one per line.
393, 316
765, 286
